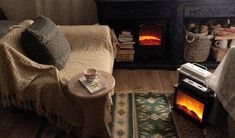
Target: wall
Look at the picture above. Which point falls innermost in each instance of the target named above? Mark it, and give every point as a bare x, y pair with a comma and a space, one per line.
60, 11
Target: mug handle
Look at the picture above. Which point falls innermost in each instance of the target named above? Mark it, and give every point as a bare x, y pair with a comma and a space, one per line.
98, 75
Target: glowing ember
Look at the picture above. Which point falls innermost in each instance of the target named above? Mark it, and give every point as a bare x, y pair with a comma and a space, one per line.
190, 106
149, 40
150, 35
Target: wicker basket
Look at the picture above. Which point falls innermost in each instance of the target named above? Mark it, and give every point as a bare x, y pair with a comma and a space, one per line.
219, 53
197, 47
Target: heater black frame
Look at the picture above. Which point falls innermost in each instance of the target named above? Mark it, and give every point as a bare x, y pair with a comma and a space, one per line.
160, 26
154, 51
206, 98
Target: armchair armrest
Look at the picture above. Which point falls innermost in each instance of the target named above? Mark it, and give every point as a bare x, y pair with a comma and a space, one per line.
28, 85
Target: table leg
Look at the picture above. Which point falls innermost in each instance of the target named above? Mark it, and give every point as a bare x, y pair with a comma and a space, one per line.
94, 112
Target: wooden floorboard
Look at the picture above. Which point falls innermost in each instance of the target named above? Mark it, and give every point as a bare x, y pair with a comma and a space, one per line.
6, 123
48, 131
145, 80
17, 124
20, 124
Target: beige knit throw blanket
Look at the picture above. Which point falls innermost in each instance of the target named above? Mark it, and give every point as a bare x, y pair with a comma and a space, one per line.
22, 87
30, 86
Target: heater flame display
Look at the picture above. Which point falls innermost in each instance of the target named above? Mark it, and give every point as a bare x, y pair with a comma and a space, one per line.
150, 35
149, 40
190, 106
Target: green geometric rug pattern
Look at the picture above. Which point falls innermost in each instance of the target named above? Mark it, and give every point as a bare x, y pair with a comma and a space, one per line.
142, 115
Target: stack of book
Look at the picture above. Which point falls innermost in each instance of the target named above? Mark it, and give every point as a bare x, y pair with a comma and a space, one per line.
126, 47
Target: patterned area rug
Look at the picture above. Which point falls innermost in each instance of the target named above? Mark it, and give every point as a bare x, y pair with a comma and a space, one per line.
142, 115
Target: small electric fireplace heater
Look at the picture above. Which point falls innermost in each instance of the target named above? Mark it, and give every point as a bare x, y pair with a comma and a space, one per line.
193, 101
151, 40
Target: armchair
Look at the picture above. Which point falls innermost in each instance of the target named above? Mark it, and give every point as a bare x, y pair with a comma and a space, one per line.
28, 85
222, 81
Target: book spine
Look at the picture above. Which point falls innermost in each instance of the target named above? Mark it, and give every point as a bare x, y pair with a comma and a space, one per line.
125, 36
126, 32
125, 57
125, 39
124, 51
122, 46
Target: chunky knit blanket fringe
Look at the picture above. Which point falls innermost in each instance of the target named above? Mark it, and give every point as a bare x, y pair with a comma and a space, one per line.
30, 86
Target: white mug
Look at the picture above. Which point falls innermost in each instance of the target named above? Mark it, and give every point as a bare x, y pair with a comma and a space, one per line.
90, 74
221, 44
232, 44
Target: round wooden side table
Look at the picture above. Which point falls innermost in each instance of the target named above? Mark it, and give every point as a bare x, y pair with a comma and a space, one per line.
94, 106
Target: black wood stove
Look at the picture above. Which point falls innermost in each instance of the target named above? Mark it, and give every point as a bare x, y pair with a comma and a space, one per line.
170, 16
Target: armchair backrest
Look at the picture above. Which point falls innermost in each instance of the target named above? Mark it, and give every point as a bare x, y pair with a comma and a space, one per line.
12, 38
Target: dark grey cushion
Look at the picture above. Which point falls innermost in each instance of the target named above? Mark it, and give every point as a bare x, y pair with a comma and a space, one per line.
44, 44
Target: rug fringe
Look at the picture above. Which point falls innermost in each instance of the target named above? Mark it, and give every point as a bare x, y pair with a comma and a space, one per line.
172, 114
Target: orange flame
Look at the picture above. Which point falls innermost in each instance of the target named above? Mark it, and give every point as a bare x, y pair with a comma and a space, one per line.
146, 40
190, 105
149, 37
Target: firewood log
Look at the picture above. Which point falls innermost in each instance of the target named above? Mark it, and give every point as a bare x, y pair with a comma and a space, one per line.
225, 37
224, 31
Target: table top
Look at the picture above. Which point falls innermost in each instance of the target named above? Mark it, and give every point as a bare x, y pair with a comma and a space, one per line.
77, 89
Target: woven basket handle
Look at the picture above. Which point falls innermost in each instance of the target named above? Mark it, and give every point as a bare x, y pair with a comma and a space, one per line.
188, 40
